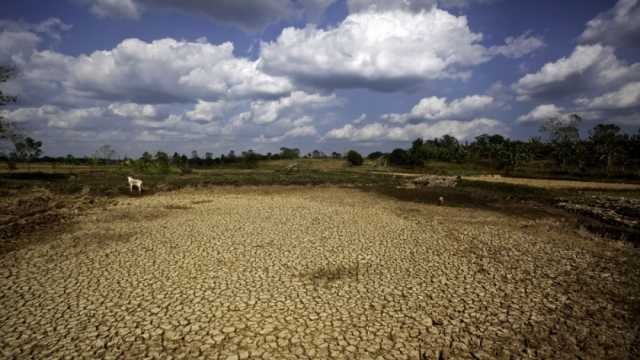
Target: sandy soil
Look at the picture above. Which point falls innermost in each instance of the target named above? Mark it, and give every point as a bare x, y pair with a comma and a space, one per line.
295, 273
556, 184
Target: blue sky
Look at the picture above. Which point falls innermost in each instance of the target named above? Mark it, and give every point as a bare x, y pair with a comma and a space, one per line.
331, 75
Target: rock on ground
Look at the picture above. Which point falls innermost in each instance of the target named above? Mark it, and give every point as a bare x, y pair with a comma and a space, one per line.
435, 181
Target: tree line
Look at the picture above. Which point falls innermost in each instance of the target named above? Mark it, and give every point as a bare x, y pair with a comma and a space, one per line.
606, 151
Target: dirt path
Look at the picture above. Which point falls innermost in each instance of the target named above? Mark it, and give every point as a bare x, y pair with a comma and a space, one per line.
556, 184
314, 273
543, 183
398, 174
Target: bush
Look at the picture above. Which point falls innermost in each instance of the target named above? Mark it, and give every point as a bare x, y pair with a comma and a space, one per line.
399, 157
144, 166
375, 155
354, 158
250, 160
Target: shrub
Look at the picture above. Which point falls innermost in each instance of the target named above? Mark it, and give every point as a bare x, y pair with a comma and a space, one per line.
250, 160
143, 166
399, 157
354, 158
375, 155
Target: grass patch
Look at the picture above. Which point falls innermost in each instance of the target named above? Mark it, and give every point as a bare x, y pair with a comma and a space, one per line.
111, 182
457, 169
473, 194
507, 198
35, 176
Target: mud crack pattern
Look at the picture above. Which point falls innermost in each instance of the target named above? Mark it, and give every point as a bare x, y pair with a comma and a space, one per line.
299, 273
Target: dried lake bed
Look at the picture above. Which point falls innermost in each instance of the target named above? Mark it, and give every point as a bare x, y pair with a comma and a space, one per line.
302, 272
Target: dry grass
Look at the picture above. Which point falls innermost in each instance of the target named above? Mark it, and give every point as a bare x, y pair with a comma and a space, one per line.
555, 184
55, 168
306, 164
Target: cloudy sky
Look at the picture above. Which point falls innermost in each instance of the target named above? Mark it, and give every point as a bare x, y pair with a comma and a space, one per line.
216, 75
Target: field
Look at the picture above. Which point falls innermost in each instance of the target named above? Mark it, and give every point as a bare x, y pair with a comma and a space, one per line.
326, 262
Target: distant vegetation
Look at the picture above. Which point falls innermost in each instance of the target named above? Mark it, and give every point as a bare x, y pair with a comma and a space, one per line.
606, 152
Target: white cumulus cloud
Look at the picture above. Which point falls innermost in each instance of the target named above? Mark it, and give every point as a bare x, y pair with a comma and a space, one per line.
435, 108
19, 40
619, 26
171, 70
380, 132
517, 47
625, 98
542, 113
162, 71
208, 111
297, 132
287, 108
387, 50
588, 68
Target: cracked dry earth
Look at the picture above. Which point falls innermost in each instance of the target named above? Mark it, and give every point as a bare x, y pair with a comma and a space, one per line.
314, 273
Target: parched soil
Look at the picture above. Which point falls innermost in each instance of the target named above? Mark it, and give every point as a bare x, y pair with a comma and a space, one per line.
26, 215
315, 273
555, 184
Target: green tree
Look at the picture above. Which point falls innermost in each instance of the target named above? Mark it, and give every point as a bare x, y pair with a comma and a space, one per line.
231, 157
608, 144
563, 135
28, 149
562, 130
375, 155
512, 154
317, 154
69, 159
176, 160
146, 158
288, 154
419, 150
250, 159
354, 158
399, 157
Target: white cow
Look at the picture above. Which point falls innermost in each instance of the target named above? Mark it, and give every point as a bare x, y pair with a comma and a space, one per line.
134, 182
